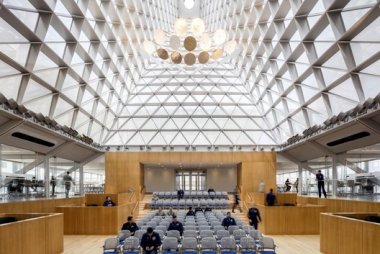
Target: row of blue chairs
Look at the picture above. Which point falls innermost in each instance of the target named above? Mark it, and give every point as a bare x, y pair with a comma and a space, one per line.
186, 203
191, 194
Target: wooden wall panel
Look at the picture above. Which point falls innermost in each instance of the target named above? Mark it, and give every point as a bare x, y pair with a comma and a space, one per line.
341, 235
42, 234
290, 220
123, 169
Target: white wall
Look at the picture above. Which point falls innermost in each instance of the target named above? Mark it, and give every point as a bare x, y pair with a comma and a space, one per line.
158, 179
222, 179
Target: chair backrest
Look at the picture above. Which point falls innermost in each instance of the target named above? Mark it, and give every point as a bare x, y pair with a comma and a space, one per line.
247, 228
160, 233
232, 228
247, 243
110, 244
170, 243
268, 243
239, 233
192, 227
173, 233
162, 228
189, 243
227, 243
189, 233
208, 243
123, 234
206, 233
222, 233
218, 227
255, 234
131, 243
139, 233
204, 227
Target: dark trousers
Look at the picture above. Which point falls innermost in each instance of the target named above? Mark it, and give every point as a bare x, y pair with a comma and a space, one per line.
254, 223
236, 205
321, 186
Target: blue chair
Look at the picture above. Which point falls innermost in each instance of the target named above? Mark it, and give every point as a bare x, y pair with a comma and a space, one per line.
209, 245
228, 246
111, 246
170, 245
189, 245
247, 245
131, 245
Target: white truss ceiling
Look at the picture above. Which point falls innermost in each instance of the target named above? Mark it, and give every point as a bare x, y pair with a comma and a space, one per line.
298, 63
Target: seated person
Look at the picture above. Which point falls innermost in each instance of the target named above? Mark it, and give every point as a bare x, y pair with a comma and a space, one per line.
198, 209
155, 197
287, 185
190, 212
208, 209
170, 212
176, 225
108, 202
130, 225
150, 242
228, 221
210, 190
271, 198
160, 212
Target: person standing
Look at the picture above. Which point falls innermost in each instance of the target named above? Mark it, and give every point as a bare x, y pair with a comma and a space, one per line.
228, 221
271, 198
67, 179
53, 183
236, 202
321, 183
254, 217
296, 185
130, 225
287, 185
150, 241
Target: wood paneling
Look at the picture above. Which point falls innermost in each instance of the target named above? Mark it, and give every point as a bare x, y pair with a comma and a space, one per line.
347, 235
95, 220
39, 234
290, 220
124, 170
38, 206
118, 199
335, 205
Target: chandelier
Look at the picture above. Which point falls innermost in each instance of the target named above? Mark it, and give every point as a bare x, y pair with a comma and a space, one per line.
189, 45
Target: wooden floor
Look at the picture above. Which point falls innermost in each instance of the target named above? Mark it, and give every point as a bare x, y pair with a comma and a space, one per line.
286, 244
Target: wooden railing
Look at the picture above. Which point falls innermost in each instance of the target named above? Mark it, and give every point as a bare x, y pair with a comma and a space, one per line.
134, 208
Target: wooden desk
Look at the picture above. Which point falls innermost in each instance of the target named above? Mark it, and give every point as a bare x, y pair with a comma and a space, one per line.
346, 233
259, 198
32, 233
290, 220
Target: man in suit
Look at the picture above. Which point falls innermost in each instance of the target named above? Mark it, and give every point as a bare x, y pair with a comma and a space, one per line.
150, 242
228, 221
321, 183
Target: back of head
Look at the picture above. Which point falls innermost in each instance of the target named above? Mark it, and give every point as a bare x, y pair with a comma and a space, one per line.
130, 218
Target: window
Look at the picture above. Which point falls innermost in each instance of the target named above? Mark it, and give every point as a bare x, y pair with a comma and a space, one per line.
191, 180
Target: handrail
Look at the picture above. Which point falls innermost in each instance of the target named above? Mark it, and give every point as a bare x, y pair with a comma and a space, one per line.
249, 196
133, 194
134, 208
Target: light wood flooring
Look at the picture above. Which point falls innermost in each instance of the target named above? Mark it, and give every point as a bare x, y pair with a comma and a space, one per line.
286, 244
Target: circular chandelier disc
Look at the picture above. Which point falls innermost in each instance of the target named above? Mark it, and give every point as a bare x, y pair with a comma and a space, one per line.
162, 53
190, 43
218, 53
203, 57
174, 42
190, 59
176, 57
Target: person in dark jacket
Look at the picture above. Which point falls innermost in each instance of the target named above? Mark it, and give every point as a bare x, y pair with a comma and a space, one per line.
271, 198
228, 221
236, 202
254, 217
190, 212
321, 183
176, 225
108, 202
130, 225
150, 241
